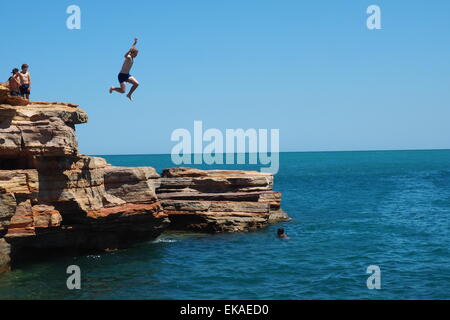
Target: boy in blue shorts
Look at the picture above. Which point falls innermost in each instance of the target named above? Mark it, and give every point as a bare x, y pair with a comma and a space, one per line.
124, 75
25, 82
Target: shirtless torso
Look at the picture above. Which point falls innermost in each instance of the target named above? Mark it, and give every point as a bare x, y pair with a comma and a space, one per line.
127, 64
24, 78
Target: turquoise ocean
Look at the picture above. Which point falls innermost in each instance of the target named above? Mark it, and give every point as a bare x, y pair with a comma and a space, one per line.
350, 210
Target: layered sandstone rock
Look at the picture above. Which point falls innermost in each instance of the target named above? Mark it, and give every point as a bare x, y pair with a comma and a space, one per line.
4, 256
6, 98
97, 206
52, 197
39, 130
219, 201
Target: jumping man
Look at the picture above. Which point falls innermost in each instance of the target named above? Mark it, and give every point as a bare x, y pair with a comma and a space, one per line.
124, 75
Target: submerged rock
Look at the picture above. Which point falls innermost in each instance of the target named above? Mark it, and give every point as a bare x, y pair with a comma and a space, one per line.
218, 200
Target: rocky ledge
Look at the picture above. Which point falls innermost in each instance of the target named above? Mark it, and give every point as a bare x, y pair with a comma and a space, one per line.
219, 201
52, 197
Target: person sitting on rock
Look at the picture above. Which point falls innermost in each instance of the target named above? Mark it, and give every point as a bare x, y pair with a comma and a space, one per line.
124, 75
281, 234
14, 83
25, 82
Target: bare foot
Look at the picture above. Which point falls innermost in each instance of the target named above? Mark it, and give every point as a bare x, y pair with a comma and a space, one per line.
111, 90
129, 97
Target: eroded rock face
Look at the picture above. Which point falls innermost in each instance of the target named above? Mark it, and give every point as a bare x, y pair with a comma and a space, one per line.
78, 202
51, 197
6, 98
80, 193
39, 130
219, 201
5, 251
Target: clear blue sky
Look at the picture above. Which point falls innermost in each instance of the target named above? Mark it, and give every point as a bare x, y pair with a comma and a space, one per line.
309, 68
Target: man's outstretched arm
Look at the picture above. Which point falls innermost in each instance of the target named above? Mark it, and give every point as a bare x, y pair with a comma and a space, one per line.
132, 47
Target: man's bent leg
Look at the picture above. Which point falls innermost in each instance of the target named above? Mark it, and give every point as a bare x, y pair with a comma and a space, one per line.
122, 88
135, 84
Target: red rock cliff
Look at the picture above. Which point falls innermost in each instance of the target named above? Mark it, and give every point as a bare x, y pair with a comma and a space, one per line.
52, 197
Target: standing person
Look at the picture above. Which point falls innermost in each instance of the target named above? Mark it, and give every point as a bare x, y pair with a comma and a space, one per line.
14, 83
124, 75
25, 82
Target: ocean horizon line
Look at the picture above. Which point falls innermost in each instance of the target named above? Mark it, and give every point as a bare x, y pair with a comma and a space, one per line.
318, 151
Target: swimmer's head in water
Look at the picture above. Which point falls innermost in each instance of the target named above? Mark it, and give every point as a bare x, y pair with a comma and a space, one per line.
280, 231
